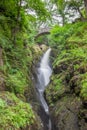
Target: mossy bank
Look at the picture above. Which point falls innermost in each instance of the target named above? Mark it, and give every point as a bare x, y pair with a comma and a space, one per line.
17, 92
67, 92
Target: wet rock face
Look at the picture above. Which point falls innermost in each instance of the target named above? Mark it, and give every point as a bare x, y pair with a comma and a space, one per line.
68, 113
65, 114
83, 116
2, 86
1, 60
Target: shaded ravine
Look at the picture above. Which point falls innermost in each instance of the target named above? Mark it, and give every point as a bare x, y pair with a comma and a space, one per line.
44, 72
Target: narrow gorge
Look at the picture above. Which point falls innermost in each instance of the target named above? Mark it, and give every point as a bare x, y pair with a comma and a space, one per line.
43, 65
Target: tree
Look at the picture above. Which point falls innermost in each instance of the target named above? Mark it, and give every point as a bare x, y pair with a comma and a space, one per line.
60, 9
76, 5
20, 13
85, 3
65, 11
61, 6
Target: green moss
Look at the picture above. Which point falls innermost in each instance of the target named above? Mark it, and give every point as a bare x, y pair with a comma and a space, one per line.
14, 113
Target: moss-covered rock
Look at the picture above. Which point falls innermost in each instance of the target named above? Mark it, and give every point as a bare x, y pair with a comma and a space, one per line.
67, 91
65, 113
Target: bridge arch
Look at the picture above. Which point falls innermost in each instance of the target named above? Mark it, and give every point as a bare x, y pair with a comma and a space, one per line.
42, 31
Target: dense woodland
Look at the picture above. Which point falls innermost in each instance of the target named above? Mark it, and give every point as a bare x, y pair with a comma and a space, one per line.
20, 50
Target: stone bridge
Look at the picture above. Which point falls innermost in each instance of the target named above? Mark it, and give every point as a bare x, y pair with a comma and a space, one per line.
43, 31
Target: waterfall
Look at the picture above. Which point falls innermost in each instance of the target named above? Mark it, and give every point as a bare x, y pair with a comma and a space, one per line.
44, 72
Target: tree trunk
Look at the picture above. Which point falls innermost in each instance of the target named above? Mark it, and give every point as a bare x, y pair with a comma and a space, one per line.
17, 27
85, 2
81, 15
2, 86
1, 60
19, 8
63, 19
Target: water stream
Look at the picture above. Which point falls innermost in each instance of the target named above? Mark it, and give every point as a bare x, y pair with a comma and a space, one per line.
44, 72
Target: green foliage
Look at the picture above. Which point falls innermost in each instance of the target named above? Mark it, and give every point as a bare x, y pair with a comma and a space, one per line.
17, 32
39, 8
68, 10
17, 24
17, 68
84, 90
70, 65
55, 89
5, 32
57, 82
14, 113
62, 35
84, 86
2, 103
79, 35
16, 82
72, 54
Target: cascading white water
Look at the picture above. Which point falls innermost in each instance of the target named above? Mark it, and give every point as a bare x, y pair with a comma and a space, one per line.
44, 73
44, 70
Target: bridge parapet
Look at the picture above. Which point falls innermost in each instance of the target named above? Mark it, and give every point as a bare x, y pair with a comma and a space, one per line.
43, 30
